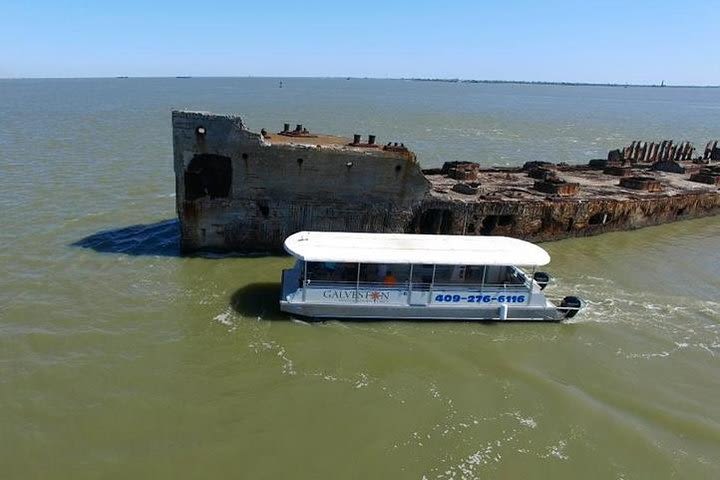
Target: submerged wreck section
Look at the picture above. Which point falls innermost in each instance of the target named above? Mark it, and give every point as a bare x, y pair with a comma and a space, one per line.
247, 191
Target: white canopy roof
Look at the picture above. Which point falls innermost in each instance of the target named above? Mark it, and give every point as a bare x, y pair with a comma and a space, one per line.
410, 248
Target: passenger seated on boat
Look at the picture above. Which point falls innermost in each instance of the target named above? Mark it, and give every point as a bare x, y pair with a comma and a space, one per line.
390, 279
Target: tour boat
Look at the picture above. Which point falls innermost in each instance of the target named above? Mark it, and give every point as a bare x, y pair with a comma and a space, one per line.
421, 277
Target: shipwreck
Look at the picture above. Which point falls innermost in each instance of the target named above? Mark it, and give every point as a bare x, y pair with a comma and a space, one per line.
239, 190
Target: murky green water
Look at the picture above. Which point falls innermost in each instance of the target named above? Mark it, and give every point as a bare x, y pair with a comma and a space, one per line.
123, 360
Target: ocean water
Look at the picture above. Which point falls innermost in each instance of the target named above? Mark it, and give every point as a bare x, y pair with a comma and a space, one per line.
121, 359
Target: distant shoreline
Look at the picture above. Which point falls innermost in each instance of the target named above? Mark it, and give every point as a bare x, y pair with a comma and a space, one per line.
412, 79
562, 84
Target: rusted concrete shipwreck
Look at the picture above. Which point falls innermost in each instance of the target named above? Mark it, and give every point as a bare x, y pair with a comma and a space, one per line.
246, 191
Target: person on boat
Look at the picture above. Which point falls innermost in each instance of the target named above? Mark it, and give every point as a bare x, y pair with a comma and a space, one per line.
390, 279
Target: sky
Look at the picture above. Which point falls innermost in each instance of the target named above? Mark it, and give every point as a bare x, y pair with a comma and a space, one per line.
638, 42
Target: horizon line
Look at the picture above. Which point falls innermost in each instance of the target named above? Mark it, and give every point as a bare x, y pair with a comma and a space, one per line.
416, 79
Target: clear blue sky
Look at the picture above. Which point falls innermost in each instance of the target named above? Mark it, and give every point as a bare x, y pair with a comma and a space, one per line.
588, 41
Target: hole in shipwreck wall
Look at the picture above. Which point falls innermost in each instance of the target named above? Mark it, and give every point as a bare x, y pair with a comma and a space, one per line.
599, 219
680, 212
299, 162
505, 220
488, 224
264, 209
208, 175
244, 156
435, 220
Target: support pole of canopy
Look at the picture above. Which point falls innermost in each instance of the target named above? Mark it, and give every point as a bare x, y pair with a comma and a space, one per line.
532, 285
482, 281
305, 281
410, 283
357, 283
432, 283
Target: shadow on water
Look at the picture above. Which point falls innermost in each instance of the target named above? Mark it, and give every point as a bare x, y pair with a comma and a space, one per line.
258, 300
152, 239
160, 238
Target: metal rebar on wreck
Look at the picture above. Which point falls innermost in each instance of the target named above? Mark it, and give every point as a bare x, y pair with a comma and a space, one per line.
652, 151
671, 155
668, 150
627, 151
645, 152
630, 151
688, 151
708, 149
677, 152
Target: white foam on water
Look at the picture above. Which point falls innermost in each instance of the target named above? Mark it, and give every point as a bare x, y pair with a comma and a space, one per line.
297, 321
557, 450
526, 421
227, 319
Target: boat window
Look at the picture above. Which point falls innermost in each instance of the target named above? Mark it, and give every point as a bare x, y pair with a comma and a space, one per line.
332, 272
422, 275
502, 275
455, 273
474, 274
478, 274
517, 276
384, 274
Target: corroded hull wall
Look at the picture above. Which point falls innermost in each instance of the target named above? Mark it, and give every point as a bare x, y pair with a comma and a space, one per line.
239, 190
541, 221
277, 190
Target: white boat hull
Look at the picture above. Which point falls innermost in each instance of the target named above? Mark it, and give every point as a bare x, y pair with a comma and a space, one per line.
422, 312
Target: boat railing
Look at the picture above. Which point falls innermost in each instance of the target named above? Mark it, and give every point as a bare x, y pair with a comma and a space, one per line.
478, 286
417, 286
352, 284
